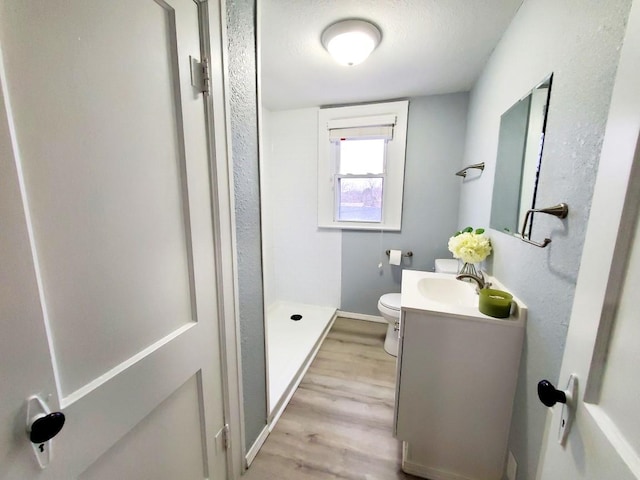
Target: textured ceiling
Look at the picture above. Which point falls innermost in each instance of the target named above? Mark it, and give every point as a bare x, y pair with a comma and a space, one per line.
428, 47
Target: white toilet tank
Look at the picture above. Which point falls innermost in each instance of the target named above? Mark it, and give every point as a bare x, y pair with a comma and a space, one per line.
446, 265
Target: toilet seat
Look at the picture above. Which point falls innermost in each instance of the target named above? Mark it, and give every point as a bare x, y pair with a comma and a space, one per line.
390, 303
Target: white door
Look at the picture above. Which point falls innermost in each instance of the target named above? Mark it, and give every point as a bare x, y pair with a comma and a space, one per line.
603, 340
108, 288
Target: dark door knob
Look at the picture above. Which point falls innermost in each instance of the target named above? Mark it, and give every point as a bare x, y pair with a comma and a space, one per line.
45, 428
550, 395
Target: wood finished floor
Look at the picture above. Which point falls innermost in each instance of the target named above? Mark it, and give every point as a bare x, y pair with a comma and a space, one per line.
338, 424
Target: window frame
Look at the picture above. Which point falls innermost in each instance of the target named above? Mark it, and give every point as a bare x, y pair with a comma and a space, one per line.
359, 116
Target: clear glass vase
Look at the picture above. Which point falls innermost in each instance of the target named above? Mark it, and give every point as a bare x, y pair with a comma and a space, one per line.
469, 269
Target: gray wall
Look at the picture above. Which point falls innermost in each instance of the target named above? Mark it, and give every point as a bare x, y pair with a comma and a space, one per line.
435, 146
244, 142
579, 42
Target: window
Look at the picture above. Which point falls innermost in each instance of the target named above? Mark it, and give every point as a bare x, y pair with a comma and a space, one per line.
360, 179
361, 166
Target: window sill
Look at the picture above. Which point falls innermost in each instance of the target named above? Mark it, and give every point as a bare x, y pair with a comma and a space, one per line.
376, 227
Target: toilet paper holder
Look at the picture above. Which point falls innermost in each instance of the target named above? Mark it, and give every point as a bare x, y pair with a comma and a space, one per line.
408, 254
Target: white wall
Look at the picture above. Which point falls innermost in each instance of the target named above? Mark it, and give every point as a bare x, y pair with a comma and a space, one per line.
579, 42
303, 263
267, 209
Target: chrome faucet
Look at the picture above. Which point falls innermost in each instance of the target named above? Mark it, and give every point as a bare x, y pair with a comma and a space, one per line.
479, 279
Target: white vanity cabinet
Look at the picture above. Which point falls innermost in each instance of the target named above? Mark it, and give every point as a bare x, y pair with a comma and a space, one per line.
456, 382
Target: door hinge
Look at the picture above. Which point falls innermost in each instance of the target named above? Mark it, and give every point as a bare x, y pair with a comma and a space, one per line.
226, 436
200, 75
223, 438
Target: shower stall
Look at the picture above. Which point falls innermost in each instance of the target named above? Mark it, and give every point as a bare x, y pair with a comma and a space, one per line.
301, 263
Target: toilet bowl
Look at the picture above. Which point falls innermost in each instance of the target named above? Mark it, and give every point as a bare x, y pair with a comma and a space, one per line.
389, 307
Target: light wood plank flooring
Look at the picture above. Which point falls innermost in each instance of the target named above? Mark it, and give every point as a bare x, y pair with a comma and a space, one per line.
338, 424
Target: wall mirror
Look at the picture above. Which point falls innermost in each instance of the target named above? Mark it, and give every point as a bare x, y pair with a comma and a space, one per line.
520, 146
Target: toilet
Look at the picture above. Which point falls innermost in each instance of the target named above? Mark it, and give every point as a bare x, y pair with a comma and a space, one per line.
447, 265
389, 306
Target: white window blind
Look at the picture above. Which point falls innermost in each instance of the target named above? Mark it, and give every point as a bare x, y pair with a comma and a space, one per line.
361, 133
361, 128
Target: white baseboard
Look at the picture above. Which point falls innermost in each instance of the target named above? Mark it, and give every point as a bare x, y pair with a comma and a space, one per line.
426, 472
257, 445
361, 316
431, 473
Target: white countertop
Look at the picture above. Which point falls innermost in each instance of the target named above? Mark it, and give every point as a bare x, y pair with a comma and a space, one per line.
413, 299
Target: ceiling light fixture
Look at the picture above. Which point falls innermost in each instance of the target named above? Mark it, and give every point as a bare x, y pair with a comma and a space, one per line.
351, 41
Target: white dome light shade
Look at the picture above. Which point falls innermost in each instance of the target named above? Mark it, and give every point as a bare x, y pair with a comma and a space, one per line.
351, 41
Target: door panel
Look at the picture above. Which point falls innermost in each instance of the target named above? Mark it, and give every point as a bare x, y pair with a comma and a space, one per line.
601, 348
620, 390
179, 455
123, 292
110, 143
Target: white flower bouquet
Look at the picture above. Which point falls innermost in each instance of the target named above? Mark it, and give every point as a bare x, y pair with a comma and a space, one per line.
470, 246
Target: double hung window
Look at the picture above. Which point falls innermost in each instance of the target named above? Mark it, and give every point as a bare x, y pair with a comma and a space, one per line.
361, 166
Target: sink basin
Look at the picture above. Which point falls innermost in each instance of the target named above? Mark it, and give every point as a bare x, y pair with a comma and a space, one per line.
448, 291
442, 295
